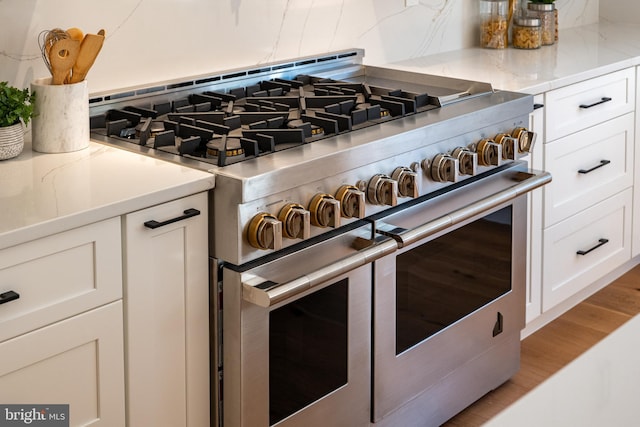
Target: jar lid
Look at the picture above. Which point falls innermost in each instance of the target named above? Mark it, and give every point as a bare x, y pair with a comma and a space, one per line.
526, 21
541, 6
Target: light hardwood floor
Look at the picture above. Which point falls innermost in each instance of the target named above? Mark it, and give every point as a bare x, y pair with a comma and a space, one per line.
558, 343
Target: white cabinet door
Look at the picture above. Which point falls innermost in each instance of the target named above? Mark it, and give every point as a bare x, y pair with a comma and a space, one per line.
587, 167
585, 247
167, 315
61, 275
77, 361
578, 106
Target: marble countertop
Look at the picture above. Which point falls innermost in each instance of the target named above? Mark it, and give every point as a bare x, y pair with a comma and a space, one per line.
581, 53
599, 388
42, 194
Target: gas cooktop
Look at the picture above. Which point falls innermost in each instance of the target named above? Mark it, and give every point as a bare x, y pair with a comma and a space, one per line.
238, 115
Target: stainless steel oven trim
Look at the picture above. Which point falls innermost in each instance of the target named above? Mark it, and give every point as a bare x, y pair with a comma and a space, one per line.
276, 293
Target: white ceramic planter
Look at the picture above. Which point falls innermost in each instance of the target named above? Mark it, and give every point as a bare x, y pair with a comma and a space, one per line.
11, 141
61, 117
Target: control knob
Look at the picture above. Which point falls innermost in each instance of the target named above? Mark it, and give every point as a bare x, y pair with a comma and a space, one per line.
325, 211
489, 153
296, 223
509, 145
265, 232
467, 160
380, 190
443, 168
525, 138
351, 201
407, 181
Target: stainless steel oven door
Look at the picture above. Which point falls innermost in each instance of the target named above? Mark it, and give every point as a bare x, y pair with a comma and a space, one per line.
449, 297
297, 336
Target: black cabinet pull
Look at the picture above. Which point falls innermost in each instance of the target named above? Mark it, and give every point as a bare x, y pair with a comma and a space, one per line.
8, 296
602, 101
600, 243
601, 164
537, 106
187, 214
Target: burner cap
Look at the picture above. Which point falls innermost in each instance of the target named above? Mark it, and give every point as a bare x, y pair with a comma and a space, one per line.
230, 146
313, 130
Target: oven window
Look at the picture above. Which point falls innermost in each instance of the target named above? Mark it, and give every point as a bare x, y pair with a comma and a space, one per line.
442, 281
307, 350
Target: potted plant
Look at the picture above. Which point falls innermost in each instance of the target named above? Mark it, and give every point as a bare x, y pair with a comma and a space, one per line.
16, 109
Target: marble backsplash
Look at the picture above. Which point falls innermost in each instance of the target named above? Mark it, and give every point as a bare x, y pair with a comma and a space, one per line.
157, 40
620, 11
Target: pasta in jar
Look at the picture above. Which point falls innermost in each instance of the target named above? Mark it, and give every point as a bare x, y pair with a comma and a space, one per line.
494, 23
526, 33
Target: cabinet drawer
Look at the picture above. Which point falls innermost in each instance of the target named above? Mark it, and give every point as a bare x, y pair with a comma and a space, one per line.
588, 103
602, 235
587, 167
78, 361
59, 276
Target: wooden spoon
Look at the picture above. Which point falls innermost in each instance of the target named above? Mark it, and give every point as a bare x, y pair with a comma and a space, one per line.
75, 33
62, 56
89, 49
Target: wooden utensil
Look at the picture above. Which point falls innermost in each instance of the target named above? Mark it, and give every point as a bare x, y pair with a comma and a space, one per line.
46, 39
62, 56
89, 49
75, 33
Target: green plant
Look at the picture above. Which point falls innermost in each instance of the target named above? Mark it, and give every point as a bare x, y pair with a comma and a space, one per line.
15, 105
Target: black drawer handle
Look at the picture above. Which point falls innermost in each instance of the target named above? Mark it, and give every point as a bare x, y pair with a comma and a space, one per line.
537, 106
602, 101
601, 164
187, 214
8, 296
600, 243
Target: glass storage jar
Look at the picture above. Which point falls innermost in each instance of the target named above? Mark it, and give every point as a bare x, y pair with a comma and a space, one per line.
526, 33
545, 12
494, 23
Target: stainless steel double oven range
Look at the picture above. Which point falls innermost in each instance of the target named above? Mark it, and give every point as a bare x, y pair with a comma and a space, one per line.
367, 234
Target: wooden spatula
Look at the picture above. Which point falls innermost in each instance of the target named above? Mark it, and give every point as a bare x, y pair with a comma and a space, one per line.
89, 49
62, 56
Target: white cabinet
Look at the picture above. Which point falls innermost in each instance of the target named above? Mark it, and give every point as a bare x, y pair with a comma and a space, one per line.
61, 339
122, 344
167, 315
59, 276
588, 166
585, 247
581, 224
77, 361
578, 106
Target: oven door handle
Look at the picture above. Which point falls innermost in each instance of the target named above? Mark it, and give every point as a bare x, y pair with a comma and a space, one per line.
404, 237
265, 293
